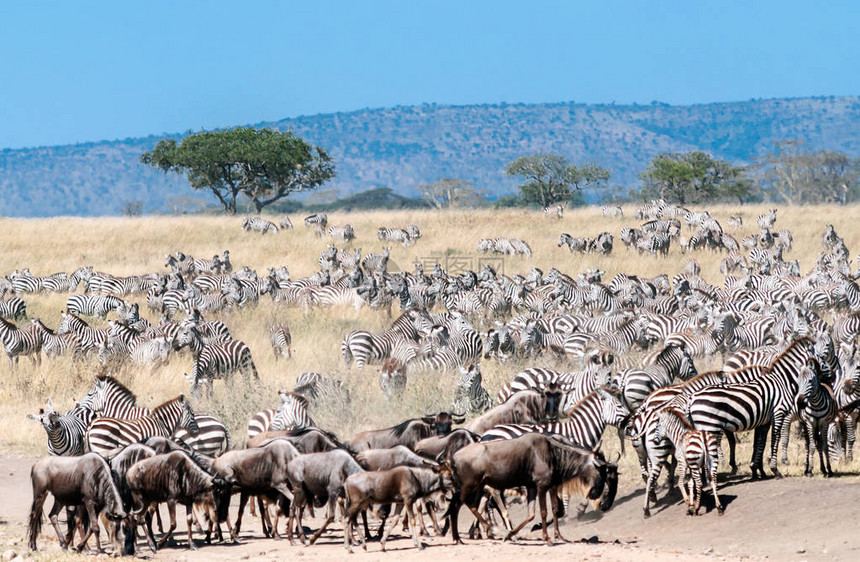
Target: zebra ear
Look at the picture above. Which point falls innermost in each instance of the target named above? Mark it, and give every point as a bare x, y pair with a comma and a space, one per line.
182, 398
49, 407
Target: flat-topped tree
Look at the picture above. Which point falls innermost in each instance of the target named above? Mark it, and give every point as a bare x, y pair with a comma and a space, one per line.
551, 179
264, 165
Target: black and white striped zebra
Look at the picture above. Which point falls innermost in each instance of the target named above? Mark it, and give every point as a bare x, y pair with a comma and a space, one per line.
817, 408
766, 220
612, 211
92, 305
281, 339
258, 224
212, 438
318, 388
636, 384
20, 341
364, 347
65, 432
292, 412
470, 395
316, 220
345, 232
13, 309
55, 345
110, 398
556, 211
285, 223
398, 235
67, 284
106, 434
215, 359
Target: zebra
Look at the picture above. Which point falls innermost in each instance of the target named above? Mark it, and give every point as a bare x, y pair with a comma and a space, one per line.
292, 413
392, 378
259, 224
612, 211
20, 341
13, 309
636, 384
766, 220
394, 235
67, 284
573, 244
556, 211
154, 352
696, 451
316, 220
212, 438
261, 422
65, 432
413, 231
318, 388
106, 434
365, 347
127, 285
285, 223
630, 236
735, 221
54, 345
817, 408
92, 305
345, 233
470, 396
215, 359
279, 335
110, 398
768, 400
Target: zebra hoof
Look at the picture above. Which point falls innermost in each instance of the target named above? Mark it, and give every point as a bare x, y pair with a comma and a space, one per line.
720, 511
647, 513
807, 474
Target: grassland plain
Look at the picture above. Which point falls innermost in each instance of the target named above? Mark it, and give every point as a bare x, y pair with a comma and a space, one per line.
123, 246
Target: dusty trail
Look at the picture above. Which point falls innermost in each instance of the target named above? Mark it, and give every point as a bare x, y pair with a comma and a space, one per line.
789, 519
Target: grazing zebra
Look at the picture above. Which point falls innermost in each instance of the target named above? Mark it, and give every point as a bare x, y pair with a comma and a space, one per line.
20, 341
316, 220
345, 233
630, 236
766, 220
318, 388
574, 244
212, 438
65, 432
392, 378
285, 223
470, 396
697, 452
413, 231
398, 235
817, 409
279, 335
259, 224
612, 211
13, 309
54, 345
106, 434
735, 221
215, 359
93, 305
557, 211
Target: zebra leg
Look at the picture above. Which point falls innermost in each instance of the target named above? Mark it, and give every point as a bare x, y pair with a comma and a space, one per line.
809, 436
656, 467
783, 441
759, 443
732, 441
776, 429
850, 436
823, 451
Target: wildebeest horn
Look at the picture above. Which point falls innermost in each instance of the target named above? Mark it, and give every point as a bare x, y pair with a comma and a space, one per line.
618, 458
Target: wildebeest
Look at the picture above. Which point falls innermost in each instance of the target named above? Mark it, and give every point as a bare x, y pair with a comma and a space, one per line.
403, 485
258, 472
305, 439
318, 478
74, 481
528, 406
386, 459
407, 433
442, 447
540, 463
175, 478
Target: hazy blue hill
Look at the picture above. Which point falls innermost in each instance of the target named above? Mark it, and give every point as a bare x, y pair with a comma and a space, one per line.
401, 147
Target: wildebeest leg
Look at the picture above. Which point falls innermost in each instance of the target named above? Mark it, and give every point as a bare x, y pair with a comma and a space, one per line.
554, 498
72, 522
531, 495
147, 530
328, 519
243, 499
55, 522
431, 511
171, 511
189, 518
453, 516
502, 506
479, 519
158, 521
542, 505
94, 528
397, 515
364, 520
409, 507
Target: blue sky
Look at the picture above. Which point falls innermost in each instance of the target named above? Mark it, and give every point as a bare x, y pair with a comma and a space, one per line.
85, 71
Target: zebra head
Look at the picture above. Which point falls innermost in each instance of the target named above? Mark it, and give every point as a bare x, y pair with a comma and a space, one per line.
807, 384
614, 411
187, 420
825, 353
46, 416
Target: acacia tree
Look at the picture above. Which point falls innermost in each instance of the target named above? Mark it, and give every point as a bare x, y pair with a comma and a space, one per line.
693, 177
264, 165
449, 192
551, 179
793, 174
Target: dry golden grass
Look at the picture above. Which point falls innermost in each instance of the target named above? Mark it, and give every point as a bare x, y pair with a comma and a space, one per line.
126, 246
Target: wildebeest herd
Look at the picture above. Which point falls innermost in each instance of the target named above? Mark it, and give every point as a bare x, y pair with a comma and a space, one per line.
786, 343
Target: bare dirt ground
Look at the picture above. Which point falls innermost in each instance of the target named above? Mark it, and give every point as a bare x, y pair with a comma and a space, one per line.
790, 519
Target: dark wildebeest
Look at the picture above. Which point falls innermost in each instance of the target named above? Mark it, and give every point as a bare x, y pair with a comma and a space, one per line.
402, 485
317, 478
407, 433
175, 478
527, 406
119, 464
258, 472
386, 459
540, 463
74, 481
440, 448
305, 439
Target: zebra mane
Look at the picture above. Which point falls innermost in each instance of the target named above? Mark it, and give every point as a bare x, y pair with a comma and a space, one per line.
803, 340
682, 418
168, 403
108, 379
590, 396
6, 324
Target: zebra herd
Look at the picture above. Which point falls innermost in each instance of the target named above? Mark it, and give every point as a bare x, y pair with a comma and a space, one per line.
780, 347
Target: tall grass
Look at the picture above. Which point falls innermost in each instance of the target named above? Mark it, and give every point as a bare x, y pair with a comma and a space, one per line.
125, 246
